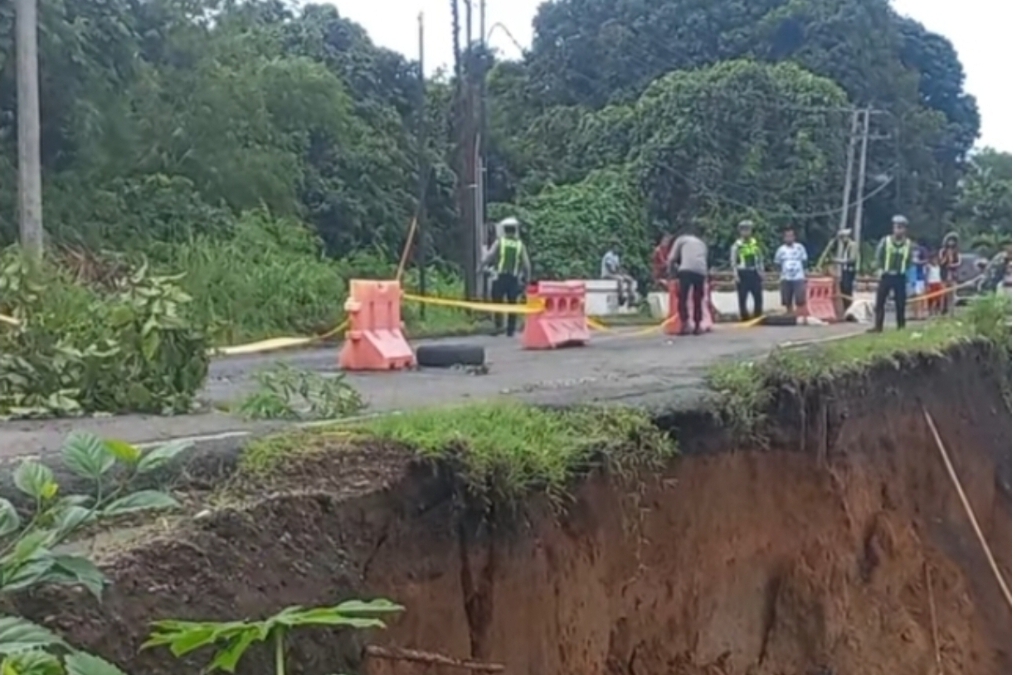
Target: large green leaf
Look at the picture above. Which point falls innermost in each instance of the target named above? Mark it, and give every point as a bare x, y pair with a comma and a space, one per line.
80, 663
228, 658
70, 518
162, 455
85, 454
10, 521
35, 480
77, 570
127, 453
21, 635
27, 574
142, 500
31, 663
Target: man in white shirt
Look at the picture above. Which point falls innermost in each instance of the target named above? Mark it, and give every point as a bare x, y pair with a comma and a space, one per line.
610, 268
791, 258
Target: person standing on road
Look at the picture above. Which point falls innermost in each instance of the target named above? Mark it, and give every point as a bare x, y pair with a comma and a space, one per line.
510, 261
994, 273
660, 273
950, 261
844, 266
689, 254
791, 258
893, 255
748, 264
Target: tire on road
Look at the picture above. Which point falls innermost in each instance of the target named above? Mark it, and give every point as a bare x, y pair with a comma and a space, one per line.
448, 356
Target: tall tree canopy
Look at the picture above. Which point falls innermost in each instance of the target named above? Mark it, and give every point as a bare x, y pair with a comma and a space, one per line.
165, 121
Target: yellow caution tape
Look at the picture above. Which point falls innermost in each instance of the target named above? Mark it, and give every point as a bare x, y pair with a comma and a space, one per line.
531, 307
276, 344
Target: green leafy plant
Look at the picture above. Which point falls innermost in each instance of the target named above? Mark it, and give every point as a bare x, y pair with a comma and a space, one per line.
289, 393
234, 638
29, 541
79, 350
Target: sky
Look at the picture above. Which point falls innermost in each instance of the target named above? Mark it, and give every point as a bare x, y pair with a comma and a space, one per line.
980, 30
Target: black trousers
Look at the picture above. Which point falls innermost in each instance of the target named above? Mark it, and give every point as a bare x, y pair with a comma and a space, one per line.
894, 284
506, 288
690, 281
749, 285
846, 284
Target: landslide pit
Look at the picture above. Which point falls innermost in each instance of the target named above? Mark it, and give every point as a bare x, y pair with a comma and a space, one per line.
809, 556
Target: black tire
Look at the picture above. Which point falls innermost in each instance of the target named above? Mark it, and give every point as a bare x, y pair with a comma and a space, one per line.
779, 320
447, 356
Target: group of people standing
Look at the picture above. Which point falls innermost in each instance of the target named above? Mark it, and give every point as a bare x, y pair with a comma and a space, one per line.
903, 267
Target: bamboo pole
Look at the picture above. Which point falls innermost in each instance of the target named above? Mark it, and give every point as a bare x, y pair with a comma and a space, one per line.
430, 659
969, 509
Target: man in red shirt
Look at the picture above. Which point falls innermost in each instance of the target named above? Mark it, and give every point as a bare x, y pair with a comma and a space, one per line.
660, 274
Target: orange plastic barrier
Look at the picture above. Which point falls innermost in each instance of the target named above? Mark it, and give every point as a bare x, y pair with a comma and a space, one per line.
821, 298
673, 324
562, 322
375, 340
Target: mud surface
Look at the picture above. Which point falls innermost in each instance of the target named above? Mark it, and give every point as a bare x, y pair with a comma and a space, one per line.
823, 553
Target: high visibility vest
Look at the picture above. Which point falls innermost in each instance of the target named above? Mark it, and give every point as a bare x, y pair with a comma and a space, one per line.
896, 256
510, 258
748, 253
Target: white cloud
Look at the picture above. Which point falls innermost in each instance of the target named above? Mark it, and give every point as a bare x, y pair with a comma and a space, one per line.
979, 29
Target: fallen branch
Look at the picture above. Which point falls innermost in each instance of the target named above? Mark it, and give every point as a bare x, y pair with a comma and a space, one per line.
430, 659
967, 507
933, 618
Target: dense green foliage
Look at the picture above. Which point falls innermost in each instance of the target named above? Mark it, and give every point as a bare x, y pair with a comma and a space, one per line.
81, 350
268, 152
33, 551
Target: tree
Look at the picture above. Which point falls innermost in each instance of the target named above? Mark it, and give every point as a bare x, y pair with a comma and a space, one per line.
593, 52
984, 208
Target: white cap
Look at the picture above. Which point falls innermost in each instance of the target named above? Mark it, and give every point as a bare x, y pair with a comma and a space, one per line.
509, 222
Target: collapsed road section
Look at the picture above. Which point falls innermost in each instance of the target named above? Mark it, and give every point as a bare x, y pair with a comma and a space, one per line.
825, 538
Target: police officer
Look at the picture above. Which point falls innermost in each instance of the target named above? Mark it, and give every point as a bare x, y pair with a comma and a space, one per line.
748, 263
893, 256
510, 262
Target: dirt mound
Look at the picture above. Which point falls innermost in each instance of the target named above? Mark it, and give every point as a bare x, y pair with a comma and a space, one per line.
839, 548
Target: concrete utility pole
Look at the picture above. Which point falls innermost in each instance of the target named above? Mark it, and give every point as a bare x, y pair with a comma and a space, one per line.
29, 162
424, 175
847, 187
861, 182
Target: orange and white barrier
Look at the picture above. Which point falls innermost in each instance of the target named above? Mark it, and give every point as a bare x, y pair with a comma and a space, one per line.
821, 298
673, 325
375, 339
561, 321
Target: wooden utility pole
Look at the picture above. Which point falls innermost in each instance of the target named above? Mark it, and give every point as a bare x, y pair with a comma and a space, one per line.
29, 162
424, 174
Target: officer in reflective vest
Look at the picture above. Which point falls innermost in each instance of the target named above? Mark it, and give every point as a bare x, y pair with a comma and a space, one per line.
894, 255
511, 264
748, 263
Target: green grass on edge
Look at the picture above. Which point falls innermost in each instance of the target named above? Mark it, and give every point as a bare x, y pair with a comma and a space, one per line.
505, 446
744, 390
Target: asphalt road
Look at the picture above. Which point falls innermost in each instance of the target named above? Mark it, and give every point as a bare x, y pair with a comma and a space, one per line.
653, 371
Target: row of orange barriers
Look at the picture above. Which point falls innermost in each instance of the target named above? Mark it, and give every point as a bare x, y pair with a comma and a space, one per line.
375, 339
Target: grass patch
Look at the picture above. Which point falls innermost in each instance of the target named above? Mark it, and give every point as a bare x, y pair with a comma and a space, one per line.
504, 447
745, 389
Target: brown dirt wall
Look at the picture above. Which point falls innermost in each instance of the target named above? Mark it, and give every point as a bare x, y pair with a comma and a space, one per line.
809, 556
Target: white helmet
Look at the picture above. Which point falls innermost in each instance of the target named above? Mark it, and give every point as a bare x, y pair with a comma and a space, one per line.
510, 222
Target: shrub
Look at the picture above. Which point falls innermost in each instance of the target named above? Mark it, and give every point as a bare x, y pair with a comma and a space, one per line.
78, 350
